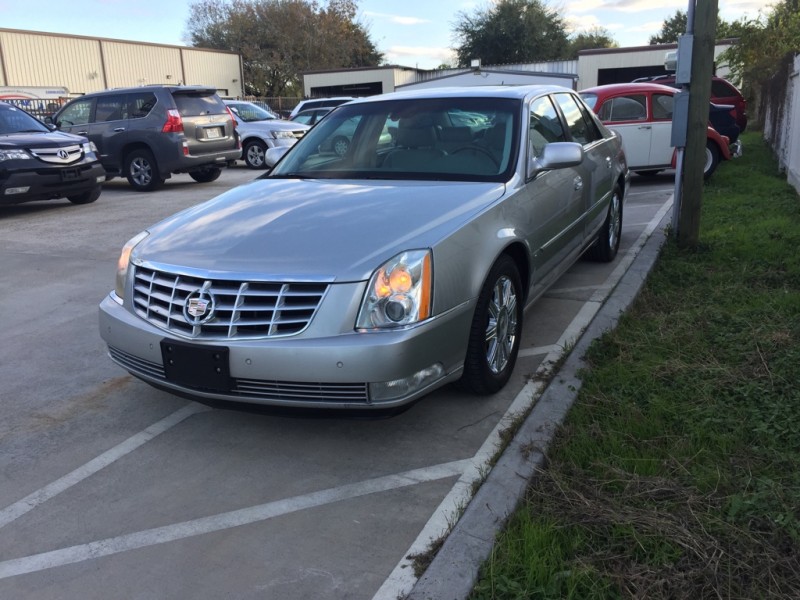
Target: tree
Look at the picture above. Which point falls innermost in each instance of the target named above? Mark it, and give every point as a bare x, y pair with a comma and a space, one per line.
675, 26
511, 31
279, 39
596, 37
763, 42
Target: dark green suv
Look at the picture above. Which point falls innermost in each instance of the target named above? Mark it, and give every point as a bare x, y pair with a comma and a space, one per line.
147, 133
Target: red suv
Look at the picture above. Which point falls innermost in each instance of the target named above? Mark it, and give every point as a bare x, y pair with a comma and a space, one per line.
722, 92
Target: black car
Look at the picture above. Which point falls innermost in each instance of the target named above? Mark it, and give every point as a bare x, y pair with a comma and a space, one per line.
147, 133
37, 163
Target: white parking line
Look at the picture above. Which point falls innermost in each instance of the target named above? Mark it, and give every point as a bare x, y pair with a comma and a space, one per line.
538, 350
245, 516
402, 578
31, 501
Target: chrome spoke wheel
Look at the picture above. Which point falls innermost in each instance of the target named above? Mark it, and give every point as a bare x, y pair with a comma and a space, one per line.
141, 171
501, 329
615, 221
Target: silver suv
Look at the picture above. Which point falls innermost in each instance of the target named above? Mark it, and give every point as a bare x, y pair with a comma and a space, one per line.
260, 130
147, 133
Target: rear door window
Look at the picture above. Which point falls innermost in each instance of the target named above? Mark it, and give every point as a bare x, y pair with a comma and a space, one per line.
112, 107
196, 104
624, 108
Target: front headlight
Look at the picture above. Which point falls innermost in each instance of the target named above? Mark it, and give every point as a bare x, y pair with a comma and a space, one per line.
13, 155
399, 292
283, 135
124, 261
89, 147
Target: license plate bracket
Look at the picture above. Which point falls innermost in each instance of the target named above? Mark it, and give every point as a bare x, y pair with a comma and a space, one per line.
70, 174
195, 366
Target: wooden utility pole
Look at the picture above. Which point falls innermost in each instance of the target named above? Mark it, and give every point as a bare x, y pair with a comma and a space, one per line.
699, 93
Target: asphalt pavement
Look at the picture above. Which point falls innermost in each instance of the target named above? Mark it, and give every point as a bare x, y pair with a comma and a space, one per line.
112, 489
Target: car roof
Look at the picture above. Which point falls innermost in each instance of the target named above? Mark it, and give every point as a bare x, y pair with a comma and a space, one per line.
170, 88
627, 88
494, 91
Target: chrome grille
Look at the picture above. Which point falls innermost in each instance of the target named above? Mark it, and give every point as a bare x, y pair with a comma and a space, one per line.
258, 389
301, 392
136, 364
240, 310
51, 155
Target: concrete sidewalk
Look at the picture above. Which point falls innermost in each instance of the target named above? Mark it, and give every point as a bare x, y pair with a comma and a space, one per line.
455, 569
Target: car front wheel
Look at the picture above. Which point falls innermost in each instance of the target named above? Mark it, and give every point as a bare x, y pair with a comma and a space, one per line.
86, 197
206, 175
253, 154
496, 328
142, 171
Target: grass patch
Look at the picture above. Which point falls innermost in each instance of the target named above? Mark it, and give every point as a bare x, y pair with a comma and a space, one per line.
676, 473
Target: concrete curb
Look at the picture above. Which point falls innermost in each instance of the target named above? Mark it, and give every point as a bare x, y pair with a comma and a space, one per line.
455, 569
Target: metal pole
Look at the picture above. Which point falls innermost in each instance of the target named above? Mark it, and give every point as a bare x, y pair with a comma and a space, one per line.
676, 197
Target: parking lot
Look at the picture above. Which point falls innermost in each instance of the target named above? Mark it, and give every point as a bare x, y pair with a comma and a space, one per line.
112, 489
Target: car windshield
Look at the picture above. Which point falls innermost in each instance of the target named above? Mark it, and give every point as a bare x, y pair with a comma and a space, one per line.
14, 120
250, 112
448, 139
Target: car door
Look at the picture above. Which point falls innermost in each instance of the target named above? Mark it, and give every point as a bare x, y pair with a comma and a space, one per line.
661, 149
596, 171
627, 115
554, 197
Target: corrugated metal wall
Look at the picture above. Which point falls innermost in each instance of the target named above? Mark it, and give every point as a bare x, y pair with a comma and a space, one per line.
213, 68
135, 64
84, 64
43, 60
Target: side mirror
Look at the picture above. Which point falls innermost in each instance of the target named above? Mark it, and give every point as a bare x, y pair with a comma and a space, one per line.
558, 155
273, 155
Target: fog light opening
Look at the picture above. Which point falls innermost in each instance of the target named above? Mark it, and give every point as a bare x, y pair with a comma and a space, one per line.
17, 190
400, 388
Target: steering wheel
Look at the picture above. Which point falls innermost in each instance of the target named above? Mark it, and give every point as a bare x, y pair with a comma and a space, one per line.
478, 149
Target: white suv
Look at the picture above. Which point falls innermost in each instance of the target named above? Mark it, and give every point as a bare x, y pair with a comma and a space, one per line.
260, 130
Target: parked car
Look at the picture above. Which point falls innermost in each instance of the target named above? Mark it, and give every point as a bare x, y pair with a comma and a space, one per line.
148, 133
311, 116
641, 113
260, 130
367, 280
37, 163
722, 92
318, 103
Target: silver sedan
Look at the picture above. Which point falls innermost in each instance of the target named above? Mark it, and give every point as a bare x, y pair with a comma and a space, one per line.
369, 279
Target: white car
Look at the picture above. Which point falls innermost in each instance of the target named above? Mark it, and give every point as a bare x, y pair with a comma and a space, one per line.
260, 130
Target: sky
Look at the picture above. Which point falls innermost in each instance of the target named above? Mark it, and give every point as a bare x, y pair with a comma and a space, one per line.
411, 33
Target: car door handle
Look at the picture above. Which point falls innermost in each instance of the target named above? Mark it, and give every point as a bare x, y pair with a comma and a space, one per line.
83, 133
578, 182
118, 129
645, 126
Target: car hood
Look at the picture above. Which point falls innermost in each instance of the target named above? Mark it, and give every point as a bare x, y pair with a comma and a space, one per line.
312, 230
45, 139
271, 125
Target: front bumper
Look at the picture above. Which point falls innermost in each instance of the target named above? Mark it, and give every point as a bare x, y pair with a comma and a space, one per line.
303, 371
48, 182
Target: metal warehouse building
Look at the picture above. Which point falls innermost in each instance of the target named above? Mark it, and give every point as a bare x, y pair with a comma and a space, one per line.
86, 64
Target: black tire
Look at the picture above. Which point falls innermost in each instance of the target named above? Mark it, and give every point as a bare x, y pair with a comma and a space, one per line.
86, 197
607, 244
712, 159
206, 175
498, 314
340, 145
648, 173
253, 154
142, 171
